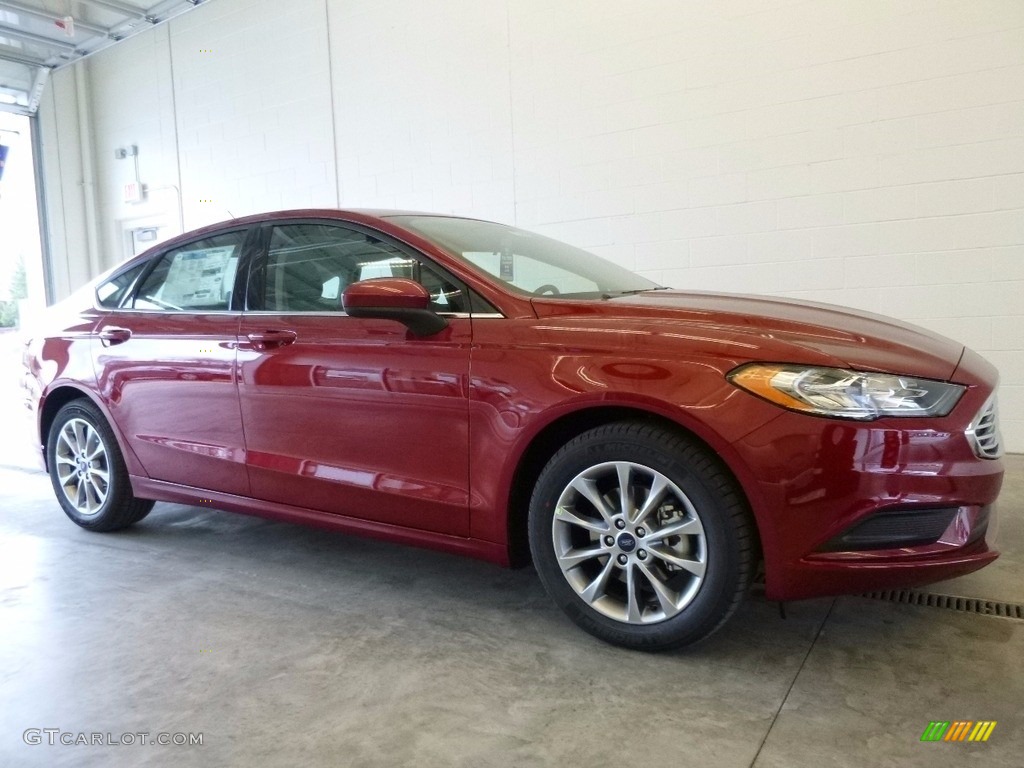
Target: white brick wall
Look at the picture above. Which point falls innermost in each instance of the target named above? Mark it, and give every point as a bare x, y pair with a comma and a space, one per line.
252, 89
230, 115
421, 106
868, 153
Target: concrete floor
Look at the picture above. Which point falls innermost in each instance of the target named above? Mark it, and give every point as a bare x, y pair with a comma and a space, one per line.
286, 646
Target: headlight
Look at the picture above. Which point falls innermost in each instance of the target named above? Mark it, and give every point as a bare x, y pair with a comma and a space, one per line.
846, 394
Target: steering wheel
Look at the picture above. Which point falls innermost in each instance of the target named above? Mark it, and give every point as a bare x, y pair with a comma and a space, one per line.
548, 288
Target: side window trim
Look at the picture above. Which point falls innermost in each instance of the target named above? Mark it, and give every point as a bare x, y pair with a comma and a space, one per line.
256, 269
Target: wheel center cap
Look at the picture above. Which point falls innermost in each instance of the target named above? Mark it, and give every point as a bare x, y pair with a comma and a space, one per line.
627, 542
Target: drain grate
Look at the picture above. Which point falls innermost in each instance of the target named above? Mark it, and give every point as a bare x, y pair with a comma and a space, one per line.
951, 603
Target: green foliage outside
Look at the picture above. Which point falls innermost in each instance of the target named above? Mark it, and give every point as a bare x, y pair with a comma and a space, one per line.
18, 290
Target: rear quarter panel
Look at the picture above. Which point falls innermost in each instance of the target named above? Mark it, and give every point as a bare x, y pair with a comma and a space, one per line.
59, 357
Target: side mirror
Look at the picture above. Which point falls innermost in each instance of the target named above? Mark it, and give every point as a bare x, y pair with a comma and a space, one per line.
393, 298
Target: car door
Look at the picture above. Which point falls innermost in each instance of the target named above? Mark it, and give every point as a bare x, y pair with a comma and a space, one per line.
353, 416
165, 364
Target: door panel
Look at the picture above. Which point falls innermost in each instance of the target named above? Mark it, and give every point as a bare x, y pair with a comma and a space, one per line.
165, 363
348, 415
359, 418
170, 386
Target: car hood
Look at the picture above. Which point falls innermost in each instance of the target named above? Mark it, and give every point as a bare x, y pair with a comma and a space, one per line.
779, 330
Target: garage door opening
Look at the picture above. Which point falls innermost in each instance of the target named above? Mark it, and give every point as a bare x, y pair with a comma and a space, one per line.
22, 285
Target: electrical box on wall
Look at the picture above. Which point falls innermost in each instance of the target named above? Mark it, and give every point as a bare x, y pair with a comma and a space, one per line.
142, 233
133, 192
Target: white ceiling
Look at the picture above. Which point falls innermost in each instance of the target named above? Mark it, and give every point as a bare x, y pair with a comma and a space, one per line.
38, 36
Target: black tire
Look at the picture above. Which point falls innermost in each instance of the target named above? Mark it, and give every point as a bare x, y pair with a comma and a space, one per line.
698, 541
87, 470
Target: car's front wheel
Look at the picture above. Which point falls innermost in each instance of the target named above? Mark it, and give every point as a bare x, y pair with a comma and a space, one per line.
641, 537
87, 471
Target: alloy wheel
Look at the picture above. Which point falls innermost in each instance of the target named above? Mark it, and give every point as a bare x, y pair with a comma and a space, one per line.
83, 468
629, 542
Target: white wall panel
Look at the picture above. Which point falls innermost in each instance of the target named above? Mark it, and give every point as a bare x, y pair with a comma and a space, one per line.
63, 182
132, 104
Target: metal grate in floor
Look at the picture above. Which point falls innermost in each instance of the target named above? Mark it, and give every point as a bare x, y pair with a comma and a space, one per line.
996, 608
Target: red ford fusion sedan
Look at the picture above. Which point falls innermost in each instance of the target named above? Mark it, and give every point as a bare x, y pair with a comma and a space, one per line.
479, 389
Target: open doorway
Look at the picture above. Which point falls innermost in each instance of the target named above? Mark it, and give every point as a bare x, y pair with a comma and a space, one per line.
22, 286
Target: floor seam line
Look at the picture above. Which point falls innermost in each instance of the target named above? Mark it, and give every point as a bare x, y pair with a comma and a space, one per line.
25, 470
792, 683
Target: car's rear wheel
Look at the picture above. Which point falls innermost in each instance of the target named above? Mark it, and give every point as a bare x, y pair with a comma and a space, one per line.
87, 471
641, 537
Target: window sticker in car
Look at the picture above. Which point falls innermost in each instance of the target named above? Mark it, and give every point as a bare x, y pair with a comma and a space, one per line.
200, 277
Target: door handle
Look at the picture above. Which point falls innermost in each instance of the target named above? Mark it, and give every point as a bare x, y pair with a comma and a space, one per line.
264, 340
111, 336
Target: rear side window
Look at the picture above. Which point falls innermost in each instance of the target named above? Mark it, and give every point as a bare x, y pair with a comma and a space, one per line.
111, 293
198, 277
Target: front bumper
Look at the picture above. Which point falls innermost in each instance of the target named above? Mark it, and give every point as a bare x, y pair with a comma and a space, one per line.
827, 492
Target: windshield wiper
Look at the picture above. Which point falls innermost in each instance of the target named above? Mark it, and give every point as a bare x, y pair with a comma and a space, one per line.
634, 291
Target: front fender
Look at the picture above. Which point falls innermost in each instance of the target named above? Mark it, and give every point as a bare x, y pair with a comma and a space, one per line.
553, 395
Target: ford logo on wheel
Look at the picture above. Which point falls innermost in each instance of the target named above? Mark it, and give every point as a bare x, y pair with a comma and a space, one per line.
627, 542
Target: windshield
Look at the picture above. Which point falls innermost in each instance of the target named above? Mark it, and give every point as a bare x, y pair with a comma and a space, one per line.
526, 262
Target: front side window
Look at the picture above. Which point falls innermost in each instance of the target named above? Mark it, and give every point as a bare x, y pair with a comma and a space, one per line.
310, 265
198, 277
